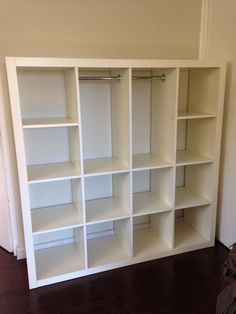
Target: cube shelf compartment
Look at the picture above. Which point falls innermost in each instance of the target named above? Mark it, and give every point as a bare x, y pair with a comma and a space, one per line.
153, 190
105, 116
118, 160
192, 226
193, 185
195, 141
48, 97
61, 257
107, 197
197, 92
152, 234
52, 153
56, 205
109, 242
153, 110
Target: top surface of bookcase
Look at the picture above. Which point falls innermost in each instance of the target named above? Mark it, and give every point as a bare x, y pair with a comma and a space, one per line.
112, 63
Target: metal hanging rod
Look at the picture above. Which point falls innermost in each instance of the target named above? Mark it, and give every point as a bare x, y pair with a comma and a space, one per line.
118, 77
100, 78
151, 77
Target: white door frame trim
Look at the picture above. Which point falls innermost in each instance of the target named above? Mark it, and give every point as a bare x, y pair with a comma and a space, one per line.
204, 29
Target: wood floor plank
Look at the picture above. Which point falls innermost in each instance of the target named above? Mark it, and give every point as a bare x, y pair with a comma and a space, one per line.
187, 283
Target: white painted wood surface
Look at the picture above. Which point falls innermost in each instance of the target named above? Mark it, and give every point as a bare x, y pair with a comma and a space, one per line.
51, 172
124, 171
55, 218
5, 230
10, 231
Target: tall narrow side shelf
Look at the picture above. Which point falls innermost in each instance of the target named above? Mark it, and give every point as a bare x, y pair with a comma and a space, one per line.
118, 160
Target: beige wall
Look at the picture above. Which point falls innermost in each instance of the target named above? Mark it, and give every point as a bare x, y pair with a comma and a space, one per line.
104, 28
165, 29
222, 44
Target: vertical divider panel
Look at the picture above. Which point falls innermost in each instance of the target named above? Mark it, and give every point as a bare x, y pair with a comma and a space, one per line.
176, 111
161, 224
82, 167
218, 135
77, 197
163, 114
130, 163
79, 242
121, 132
121, 188
120, 118
175, 149
74, 144
22, 170
123, 230
73, 114
71, 95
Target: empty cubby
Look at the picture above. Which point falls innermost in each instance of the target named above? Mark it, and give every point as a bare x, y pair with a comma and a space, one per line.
153, 110
52, 152
106, 118
197, 92
48, 96
195, 141
59, 253
153, 190
153, 234
56, 205
109, 242
192, 226
193, 185
107, 197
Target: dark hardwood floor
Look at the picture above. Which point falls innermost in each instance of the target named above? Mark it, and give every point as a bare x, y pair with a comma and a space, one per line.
186, 283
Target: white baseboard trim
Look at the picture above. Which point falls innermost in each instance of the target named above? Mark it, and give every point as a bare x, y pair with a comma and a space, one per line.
20, 253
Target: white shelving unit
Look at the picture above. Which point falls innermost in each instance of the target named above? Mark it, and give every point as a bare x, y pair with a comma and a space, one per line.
118, 160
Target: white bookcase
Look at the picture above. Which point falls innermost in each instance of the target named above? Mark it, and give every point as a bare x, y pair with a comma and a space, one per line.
118, 160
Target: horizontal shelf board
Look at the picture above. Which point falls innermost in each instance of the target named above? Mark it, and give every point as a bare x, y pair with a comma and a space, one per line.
55, 218
105, 209
147, 203
149, 161
184, 157
58, 261
105, 250
48, 123
147, 243
185, 198
186, 236
103, 166
52, 172
194, 115
37, 63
